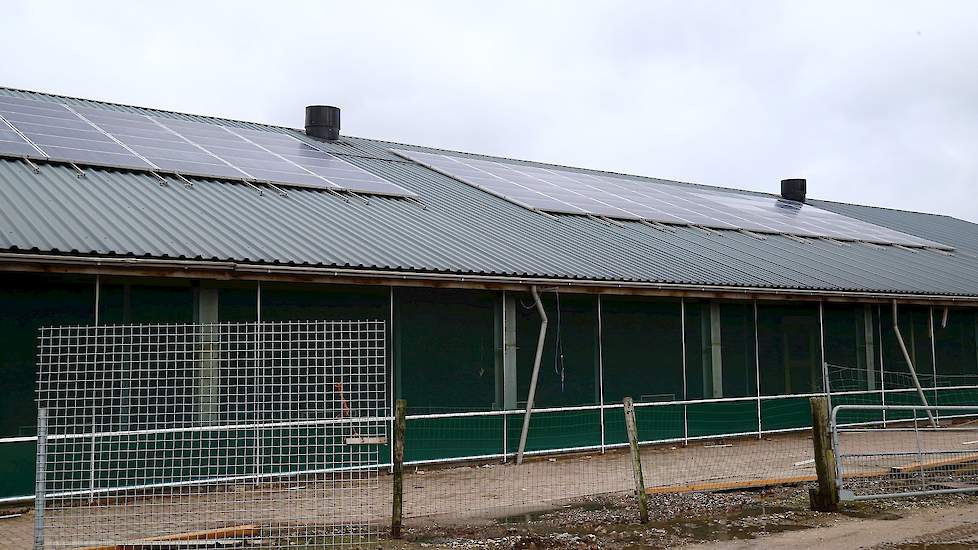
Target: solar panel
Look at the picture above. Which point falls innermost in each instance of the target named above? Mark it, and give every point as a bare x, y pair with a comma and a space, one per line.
569, 192
60, 134
167, 151
106, 137
334, 170
12, 143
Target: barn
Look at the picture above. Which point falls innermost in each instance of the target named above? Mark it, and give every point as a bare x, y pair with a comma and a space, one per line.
503, 284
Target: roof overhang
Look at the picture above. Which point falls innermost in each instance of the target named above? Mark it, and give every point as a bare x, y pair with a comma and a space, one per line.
239, 271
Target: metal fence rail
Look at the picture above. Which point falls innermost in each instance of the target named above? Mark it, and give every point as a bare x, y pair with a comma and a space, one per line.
907, 456
174, 434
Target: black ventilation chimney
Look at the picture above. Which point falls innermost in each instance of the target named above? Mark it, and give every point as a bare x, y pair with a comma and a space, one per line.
323, 121
794, 189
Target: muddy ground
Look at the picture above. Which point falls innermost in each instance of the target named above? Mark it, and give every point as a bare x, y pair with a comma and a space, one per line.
778, 517
770, 518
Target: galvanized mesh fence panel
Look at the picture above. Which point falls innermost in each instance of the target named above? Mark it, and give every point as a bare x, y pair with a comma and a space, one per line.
265, 432
885, 442
909, 456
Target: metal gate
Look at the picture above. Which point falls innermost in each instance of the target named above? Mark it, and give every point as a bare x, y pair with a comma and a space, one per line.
899, 451
180, 435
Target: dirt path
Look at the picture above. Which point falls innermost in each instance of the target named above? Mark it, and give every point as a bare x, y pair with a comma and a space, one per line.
773, 518
936, 528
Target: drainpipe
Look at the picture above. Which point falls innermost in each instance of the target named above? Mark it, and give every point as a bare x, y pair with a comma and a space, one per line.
536, 371
913, 371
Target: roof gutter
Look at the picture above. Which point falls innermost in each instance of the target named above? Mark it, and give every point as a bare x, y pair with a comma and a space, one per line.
236, 270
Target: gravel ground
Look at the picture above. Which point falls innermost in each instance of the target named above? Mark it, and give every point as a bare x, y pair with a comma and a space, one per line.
745, 518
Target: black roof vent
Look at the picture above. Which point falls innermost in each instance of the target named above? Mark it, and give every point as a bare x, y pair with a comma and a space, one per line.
794, 189
323, 121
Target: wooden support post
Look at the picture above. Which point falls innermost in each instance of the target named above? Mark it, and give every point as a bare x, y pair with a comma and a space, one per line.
630, 426
400, 412
826, 497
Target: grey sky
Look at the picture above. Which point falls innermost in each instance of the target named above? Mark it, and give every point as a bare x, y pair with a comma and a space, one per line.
873, 102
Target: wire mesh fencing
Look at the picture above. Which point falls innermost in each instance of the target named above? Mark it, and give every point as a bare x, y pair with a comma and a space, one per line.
176, 434
935, 450
461, 465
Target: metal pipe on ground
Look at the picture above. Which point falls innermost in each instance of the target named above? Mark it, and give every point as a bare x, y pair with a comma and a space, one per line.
536, 371
913, 371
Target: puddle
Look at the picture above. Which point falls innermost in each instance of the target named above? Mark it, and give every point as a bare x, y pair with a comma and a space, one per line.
743, 522
530, 517
870, 514
746, 523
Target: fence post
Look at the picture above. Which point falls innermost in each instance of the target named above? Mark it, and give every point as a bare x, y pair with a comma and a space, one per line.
826, 497
40, 487
400, 414
630, 426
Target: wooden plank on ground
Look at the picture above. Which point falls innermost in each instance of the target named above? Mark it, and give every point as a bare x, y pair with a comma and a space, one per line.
729, 485
751, 483
937, 463
209, 534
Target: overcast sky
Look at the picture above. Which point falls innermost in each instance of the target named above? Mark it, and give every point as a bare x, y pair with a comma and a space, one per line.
873, 102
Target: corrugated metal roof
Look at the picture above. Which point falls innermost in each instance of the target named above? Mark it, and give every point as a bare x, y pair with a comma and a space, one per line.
459, 230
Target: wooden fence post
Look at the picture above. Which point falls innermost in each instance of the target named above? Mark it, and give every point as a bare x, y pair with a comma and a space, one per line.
631, 427
826, 497
400, 413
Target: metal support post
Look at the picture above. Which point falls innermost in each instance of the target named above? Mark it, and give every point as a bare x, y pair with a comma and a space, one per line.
682, 323
601, 376
40, 488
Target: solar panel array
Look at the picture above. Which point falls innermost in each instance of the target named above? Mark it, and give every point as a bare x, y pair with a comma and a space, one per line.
54, 131
569, 192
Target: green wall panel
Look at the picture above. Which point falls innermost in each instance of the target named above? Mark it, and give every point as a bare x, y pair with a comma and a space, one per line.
903, 398
556, 430
446, 349
845, 417
658, 423
146, 302
17, 469
722, 418
642, 349
785, 414
569, 366
957, 397
28, 302
438, 438
789, 349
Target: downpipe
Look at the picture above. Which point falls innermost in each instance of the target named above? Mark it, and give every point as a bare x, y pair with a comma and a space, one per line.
913, 371
536, 371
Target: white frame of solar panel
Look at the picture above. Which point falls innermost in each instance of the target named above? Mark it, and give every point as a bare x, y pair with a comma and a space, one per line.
70, 129
564, 191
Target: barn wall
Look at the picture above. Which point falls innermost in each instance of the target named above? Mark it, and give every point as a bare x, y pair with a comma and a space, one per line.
446, 355
28, 302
